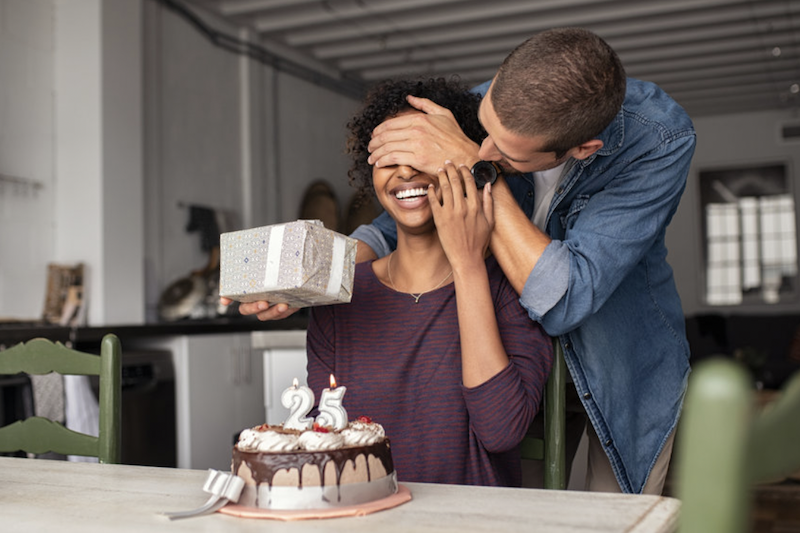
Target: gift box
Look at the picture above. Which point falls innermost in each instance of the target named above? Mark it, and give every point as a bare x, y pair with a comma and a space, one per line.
300, 263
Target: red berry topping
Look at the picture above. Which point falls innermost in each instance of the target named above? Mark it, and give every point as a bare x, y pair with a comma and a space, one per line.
364, 419
320, 429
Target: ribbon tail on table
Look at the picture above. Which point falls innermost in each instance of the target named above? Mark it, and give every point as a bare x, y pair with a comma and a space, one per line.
224, 487
213, 505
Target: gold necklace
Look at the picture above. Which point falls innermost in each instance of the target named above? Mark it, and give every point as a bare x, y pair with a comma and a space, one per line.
415, 296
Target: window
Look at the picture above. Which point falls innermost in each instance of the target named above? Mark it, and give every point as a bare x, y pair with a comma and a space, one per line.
750, 236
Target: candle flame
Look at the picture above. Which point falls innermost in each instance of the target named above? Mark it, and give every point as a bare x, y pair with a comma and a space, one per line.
295, 383
333, 382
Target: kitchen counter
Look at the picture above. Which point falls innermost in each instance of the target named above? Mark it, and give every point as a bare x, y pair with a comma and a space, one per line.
13, 333
208, 376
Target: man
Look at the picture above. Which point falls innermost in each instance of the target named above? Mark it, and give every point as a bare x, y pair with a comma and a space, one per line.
582, 239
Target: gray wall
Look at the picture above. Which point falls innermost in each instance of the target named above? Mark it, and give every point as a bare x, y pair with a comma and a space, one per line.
725, 141
228, 133
219, 131
70, 146
27, 152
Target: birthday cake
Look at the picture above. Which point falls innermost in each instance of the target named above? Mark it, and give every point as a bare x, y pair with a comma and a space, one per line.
306, 464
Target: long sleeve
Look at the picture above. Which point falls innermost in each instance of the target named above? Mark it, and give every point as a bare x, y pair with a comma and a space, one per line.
502, 408
401, 363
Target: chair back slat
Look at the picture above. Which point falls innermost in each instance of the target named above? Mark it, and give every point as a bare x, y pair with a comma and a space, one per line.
555, 405
727, 446
775, 436
39, 435
110, 399
552, 448
41, 356
715, 424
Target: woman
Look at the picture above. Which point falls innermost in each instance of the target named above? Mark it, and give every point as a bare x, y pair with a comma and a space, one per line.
434, 344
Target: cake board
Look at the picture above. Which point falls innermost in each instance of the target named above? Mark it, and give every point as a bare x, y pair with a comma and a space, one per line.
402, 495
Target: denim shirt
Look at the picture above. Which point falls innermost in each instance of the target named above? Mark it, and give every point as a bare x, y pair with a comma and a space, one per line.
603, 285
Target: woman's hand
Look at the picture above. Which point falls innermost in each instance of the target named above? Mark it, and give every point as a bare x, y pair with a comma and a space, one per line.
465, 217
464, 221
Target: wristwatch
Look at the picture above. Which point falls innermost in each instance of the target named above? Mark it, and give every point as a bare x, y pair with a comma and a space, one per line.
484, 172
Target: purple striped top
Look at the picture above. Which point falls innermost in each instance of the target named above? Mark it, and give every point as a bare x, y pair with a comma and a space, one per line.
401, 364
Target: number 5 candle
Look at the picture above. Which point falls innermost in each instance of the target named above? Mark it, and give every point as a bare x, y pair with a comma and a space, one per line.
331, 412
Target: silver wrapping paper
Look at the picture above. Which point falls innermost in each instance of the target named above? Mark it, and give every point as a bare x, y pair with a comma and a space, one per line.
300, 263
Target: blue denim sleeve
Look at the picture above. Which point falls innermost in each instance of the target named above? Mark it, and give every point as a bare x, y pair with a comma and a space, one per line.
381, 235
606, 234
482, 88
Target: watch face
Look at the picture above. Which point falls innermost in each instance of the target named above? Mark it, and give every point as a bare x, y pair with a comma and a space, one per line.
484, 172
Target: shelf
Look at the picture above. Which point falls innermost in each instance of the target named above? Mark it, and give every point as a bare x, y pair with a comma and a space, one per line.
15, 181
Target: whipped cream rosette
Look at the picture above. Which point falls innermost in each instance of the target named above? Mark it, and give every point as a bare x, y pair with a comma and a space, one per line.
362, 432
253, 440
315, 441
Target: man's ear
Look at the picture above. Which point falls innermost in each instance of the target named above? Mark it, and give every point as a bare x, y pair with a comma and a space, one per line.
588, 148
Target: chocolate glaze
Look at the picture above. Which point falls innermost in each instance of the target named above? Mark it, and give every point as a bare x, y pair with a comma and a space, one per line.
264, 465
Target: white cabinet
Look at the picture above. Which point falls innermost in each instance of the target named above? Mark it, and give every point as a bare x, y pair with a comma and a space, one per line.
284, 358
226, 382
223, 394
219, 390
281, 366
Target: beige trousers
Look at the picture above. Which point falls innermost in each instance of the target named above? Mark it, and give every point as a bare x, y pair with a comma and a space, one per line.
600, 476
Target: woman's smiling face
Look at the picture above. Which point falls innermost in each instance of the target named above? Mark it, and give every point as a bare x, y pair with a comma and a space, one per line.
403, 193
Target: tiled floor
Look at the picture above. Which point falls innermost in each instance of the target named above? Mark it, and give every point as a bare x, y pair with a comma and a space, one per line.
777, 508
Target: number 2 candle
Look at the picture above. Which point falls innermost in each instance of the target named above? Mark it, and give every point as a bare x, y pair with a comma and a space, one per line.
299, 400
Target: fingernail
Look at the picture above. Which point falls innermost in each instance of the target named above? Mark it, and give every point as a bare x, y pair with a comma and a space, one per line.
448, 162
441, 169
262, 306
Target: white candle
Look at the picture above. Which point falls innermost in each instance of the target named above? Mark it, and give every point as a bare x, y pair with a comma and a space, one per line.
331, 411
299, 401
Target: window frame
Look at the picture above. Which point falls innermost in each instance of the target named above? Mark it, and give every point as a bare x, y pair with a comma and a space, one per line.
761, 179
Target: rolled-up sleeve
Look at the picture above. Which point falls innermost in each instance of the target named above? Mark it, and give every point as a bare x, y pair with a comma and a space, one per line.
601, 236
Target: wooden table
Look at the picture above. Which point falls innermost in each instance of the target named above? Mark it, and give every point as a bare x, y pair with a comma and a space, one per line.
56, 496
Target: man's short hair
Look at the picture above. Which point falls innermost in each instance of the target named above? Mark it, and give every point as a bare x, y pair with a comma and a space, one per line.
565, 84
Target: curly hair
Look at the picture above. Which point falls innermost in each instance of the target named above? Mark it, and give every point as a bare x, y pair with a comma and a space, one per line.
387, 99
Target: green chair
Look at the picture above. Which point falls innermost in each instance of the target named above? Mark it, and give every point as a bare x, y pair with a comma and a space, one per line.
40, 435
726, 446
552, 449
